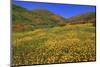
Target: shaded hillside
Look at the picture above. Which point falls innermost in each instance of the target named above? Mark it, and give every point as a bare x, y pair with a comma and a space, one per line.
88, 17
34, 19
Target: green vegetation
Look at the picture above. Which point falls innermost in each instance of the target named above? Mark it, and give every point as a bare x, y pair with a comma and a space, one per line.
89, 16
38, 18
41, 37
71, 43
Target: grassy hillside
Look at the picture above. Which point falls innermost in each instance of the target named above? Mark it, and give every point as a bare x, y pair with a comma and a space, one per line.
88, 17
42, 37
24, 19
39, 18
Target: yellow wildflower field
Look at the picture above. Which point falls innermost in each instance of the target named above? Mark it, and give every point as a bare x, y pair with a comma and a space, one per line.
70, 43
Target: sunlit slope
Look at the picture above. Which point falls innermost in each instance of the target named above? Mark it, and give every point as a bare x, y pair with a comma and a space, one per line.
88, 17
70, 43
24, 19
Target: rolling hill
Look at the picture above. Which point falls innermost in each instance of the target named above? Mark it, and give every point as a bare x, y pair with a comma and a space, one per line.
42, 37
24, 19
88, 17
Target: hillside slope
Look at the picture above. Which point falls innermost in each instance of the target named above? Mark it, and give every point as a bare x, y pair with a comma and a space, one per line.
24, 19
38, 18
88, 17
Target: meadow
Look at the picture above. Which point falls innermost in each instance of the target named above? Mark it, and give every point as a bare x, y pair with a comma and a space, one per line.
59, 44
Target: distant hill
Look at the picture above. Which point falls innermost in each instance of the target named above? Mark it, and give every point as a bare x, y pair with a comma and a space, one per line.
88, 17
34, 19
24, 19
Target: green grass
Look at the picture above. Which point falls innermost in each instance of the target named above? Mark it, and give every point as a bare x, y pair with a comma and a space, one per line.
70, 43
